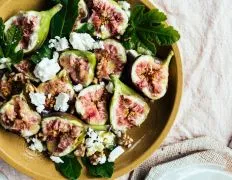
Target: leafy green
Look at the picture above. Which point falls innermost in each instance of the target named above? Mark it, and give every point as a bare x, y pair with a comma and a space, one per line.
71, 168
41, 53
8, 43
62, 23
101, 170
86, 28
147, 30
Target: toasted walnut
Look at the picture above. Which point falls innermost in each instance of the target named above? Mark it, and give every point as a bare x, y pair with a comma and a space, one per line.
97, 158
30, 88
80, 151
125, 140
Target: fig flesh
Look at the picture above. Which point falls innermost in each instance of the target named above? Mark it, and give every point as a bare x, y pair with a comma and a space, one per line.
108, 18
111, 59
127, 108
91, 104
150, 75
60, 84
16, 116
80, 65
35, 26
62, 134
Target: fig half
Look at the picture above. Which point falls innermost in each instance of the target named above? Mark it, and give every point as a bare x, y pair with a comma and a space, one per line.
127, 108
35, 26
63, 134
91, 104
60, 84
111, 59
150, 75
108, 18
80, 65
16, 116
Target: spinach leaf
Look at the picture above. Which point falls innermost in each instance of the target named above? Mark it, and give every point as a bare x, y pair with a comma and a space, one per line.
62, 23
147, 30
101, 170
41, 53
71, 168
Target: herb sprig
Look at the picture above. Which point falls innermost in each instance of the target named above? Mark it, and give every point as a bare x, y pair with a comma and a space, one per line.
8, 43
147, 31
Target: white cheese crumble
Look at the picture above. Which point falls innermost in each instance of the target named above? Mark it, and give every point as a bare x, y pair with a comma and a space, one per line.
38, 99
102, 83
4, 62
36, 145
46, 69
60, 44
84, 42
62, 102
78, 88
115, 153
56, 159
110, 87
107, 138
101, 159
125, 6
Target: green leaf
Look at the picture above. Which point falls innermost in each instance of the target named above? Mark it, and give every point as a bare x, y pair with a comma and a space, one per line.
1, 52
86, 28
101, 170
2, 27
62, 23
71, 168
147, 31
41, 53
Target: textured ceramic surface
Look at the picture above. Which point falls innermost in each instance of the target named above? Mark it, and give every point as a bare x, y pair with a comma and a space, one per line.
147, 138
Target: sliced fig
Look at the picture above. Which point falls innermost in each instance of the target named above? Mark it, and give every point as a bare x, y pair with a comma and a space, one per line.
111, 59
62, 134
57, 85
91, 104
82, 14
108, 18
35, 26
16, 116
80, 65
150, 75
127, 108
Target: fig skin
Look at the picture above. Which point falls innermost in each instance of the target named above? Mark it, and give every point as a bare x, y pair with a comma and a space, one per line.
133, 105
41, 29
61, 83
91, 104
71, 128
24, 122
110, 60
75, 71
108, 18
155, 77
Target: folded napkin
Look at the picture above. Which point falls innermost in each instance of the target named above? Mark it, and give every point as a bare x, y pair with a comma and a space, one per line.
200, 150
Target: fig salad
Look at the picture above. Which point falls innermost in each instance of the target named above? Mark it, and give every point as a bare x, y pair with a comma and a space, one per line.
77, 76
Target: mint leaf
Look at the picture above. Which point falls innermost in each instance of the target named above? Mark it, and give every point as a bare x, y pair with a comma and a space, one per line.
62, 23
41, 53
71, 168
147, 31
101, 170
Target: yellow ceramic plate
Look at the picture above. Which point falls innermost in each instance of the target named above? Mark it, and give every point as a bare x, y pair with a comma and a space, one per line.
147, 138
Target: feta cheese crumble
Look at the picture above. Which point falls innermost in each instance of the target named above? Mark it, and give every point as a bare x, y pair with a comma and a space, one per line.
38, 99
56, 159
101, 159
110, 87
115, 153
36, 145
84, 42
60, 44
125, 6
78, 88
62, 102
4, 62
46, 69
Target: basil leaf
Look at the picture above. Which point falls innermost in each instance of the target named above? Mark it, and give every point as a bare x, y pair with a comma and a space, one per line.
71, 168
101, 170
62, 23
41, 53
